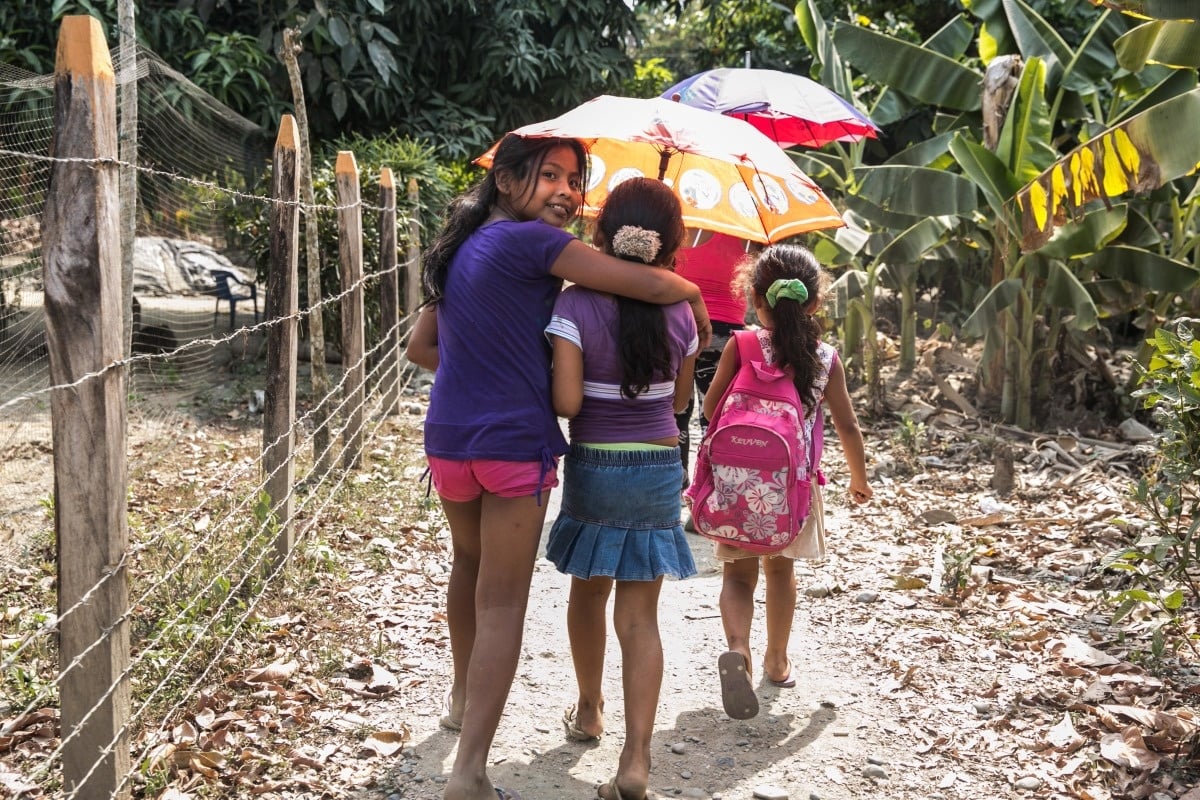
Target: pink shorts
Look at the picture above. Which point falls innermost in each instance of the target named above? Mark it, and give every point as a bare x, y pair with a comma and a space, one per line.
463, 481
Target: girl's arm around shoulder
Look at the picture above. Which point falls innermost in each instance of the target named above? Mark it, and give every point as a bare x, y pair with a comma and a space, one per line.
726, 369
422, 347
586, 266
845, 422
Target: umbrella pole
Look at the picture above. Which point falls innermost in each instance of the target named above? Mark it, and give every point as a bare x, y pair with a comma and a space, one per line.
664, 159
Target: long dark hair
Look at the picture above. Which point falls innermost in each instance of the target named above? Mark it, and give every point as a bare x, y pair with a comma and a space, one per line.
796, 333
642, 327
520, 156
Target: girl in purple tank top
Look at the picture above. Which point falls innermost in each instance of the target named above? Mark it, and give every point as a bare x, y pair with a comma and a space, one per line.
622, 368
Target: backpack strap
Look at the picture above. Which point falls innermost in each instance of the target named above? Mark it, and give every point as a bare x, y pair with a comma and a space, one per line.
747, 349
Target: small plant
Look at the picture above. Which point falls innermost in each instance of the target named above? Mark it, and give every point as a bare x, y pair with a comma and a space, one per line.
1164, 563
908, 440
956, 578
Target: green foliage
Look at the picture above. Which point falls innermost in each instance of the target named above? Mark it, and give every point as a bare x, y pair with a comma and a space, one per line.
233, 68
650, 78
1165, 564
408, 159
457, 74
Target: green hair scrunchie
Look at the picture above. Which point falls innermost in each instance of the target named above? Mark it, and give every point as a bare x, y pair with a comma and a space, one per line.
791, 288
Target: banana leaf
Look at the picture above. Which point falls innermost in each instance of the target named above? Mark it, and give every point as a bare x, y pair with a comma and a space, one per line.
1011, 25
874, 214
1143, 268
931, 152
908, 246
827, 61
952, 41
1025, 138
1176, 82
986, 314
918, 191
990, 175
922, 74
1090, 234
1064, 290
1139, 154
1157, 9
1173, 43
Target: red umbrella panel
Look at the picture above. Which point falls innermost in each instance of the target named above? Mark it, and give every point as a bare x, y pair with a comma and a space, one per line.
730, 178
791, 110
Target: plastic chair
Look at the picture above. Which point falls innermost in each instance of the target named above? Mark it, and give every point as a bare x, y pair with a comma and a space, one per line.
234, 294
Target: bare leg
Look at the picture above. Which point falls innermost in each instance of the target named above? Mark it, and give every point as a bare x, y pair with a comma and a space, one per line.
635, 618
460, 595
587, 628
508, 536
737, 604
780, 574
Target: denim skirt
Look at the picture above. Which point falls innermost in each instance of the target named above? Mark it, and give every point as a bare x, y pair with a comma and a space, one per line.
620, 516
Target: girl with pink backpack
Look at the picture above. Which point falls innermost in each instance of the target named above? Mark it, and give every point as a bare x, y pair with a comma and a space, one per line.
740, 498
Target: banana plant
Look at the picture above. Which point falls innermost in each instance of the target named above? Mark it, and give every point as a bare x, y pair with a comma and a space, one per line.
1064, 92
899, 212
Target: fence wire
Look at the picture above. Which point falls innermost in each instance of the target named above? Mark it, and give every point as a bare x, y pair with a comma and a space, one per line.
200, 568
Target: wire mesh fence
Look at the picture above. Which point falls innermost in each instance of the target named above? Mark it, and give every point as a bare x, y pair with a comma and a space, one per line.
202, 552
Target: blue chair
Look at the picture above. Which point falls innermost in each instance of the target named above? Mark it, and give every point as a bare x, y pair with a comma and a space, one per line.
225, 290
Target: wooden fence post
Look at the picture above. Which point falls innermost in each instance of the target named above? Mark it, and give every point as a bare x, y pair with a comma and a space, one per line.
279, 414
322, 452
345, 172
412, 283
389, 293
81, 257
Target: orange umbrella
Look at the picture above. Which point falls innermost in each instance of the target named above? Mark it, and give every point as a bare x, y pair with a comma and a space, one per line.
729, 177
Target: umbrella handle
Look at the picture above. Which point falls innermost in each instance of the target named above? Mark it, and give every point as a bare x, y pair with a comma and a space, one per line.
664, 158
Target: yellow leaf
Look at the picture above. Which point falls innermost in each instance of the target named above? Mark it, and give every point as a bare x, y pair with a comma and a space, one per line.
1115, 181
908, 582
1087, 174
1076, 179
1131, 159
1037, 204
1058, 185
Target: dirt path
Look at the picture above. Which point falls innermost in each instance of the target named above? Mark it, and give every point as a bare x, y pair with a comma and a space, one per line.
812, 741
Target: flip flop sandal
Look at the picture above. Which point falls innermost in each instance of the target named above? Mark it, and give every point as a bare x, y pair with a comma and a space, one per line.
737, 694
506, 794
616, 793
788, 682
574, 732
447, 721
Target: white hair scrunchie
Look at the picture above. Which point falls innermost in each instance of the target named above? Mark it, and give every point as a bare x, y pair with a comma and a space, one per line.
639, 243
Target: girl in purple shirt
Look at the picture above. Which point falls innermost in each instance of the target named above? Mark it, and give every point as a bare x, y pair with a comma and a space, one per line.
622, 368
491, 437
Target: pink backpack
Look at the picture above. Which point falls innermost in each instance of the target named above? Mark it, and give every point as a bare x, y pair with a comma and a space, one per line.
754, 468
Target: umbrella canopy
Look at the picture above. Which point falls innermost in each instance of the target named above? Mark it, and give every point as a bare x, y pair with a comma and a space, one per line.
729, 177
790, 109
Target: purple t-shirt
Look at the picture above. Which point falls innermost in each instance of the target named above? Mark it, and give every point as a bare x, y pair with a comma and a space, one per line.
591, 321
491, 396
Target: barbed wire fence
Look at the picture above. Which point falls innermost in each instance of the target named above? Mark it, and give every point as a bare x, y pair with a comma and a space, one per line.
145, 615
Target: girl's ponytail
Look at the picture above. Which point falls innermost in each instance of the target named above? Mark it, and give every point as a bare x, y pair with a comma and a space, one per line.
797, 332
